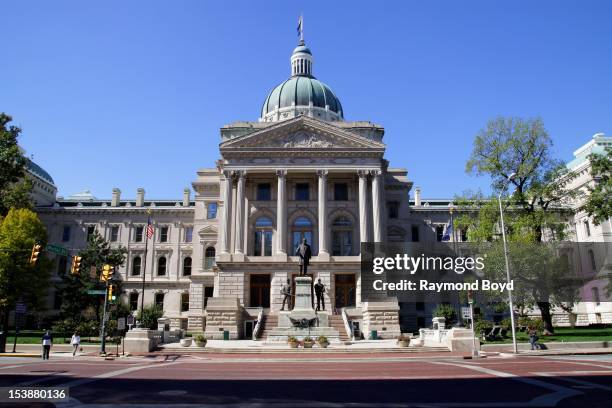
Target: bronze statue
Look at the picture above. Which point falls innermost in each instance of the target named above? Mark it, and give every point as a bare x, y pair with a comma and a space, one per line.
304, 252
286, 292
319, 288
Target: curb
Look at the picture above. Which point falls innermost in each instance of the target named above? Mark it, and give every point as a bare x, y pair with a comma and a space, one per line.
19, 355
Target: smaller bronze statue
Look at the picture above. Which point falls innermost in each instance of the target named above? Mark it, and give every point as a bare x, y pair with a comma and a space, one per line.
319, 288
304, 252
286, 292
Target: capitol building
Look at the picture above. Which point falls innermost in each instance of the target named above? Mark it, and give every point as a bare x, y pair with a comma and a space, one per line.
221, 251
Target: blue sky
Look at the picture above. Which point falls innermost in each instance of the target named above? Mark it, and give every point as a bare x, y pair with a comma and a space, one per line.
132, 94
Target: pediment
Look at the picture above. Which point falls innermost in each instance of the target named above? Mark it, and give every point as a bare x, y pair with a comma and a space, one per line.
208, 230
301, 134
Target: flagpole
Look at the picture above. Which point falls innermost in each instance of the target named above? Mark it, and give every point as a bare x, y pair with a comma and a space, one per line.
144, 263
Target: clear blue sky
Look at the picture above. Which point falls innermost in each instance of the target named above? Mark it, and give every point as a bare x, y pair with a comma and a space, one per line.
132, 93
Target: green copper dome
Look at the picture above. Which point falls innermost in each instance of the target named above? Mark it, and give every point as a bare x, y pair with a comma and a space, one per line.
302, 93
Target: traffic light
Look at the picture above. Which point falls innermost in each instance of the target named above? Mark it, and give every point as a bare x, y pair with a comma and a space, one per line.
76, 265
107, 272
111, 289
35, 251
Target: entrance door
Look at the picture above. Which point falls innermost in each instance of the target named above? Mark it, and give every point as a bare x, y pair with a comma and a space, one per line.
260, 291
345, 290
312, 297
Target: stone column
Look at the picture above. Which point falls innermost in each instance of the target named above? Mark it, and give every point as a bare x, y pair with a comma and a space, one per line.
323, 249
240, 213
377, 211
363, 209
281, 214
226, 215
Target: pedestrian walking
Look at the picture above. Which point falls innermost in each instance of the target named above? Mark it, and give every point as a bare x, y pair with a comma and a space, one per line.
75, 341
47, 342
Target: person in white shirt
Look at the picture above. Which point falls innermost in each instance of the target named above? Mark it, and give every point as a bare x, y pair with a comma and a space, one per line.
76, 342
47, 341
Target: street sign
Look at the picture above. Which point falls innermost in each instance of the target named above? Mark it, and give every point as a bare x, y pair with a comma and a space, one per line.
96, 292
121, 323
21, 308
56, 249
465, 312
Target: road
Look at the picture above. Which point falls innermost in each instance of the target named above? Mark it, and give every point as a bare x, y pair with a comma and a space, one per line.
294, 380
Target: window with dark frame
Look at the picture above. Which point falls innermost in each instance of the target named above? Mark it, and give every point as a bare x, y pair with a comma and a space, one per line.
439, 233
393, 209
159, 300
138, 233
136, 265
188, 234
187, 266
184, 302
340, 192
302, 192
264, 192
414, 232
161, 266
211, 211
209, 258
114, 233
91, 229
66, 233
134, 301
163, 234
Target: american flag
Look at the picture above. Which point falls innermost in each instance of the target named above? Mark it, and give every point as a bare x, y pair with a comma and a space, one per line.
149, 228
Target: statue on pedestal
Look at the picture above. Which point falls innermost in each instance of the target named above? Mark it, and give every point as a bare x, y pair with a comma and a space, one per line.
304, 252
286, 292
319, 289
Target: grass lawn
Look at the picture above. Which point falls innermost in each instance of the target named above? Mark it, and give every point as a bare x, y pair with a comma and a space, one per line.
34, 337
563, 334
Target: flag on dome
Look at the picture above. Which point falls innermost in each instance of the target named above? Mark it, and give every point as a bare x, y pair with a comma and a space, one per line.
299, 26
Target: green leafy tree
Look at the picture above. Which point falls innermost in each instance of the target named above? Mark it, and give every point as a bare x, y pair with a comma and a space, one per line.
448, 312
19, 231
148, 316
522, 147
14, 188
599, 203
76, 304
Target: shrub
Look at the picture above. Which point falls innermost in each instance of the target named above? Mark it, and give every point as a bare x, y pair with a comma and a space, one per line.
446, 311
526, 322
149, 315
292, 339
200, 338
322, 339
482, 327
308, 339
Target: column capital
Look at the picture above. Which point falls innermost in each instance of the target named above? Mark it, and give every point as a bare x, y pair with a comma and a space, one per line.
228, 173
240, 173
376, 173
322, 173
281, 172
363, 173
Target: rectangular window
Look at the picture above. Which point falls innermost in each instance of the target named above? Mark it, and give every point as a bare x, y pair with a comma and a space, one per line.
184, 302
264, 192
66, 233
163, 234
91, 229
159, 300
188, 234
439, 233
62, 264
393, 208
208, 293
133, 301
138, 233
414, 231
302, 192
587, 228
211, 211
463, 233
340, 192
114, 233
420, 306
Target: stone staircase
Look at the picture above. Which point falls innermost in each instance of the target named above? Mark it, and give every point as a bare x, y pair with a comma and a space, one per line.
337, 323
268, 323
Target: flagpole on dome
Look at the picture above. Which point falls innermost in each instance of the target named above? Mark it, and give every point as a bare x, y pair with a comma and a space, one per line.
300, 28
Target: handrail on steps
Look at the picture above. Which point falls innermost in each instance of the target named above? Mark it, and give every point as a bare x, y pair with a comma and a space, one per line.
347, 325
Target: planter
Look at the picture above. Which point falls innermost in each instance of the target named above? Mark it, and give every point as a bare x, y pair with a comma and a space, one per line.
403, 343
200, 343
186, 342
308, 344
324, 344
294, 344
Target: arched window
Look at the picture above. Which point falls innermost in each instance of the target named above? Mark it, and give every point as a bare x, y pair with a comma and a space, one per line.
187, 266
263, 237
136, 265
161, 266
209, 258
301, 228
342, 237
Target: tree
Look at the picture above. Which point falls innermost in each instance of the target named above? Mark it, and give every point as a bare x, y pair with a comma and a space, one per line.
14, 189
19, 231
598, 204
521, 147
76, 304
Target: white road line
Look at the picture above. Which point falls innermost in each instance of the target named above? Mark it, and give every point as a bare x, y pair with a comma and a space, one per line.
577, 381
547, 400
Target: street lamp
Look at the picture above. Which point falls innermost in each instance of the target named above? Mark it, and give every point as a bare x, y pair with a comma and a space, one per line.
503, 228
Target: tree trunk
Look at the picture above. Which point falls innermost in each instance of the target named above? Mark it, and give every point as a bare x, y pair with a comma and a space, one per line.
546, 317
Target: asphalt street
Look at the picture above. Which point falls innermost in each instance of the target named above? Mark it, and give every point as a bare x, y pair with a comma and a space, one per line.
294, 380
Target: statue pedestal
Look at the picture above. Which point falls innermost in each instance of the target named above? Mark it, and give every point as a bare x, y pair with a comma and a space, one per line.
303, 321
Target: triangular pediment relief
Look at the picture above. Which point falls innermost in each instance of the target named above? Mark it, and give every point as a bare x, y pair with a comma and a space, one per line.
302, 133
208, 230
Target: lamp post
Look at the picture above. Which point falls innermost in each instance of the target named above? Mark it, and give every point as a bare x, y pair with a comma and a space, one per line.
503, 228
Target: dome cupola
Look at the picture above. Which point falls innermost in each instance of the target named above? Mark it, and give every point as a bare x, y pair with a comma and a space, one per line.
301, 94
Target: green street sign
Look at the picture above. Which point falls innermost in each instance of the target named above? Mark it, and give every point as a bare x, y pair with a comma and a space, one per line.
56, 249
96, 292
